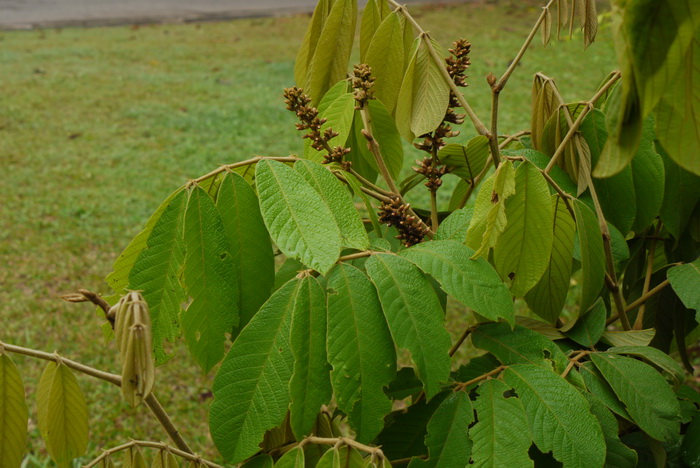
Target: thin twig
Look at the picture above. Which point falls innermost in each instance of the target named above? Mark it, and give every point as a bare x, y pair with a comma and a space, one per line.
639, 322
155, 445
515, 136
337, 441
365, 253
369, 184
461, 339
648, 295
573, 361
247, 162
376, 151
463, 385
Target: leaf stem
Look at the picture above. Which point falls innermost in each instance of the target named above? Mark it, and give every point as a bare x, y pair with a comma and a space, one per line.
433, 211
463, 385
461, 339
364, 253
156, 445
369, 184
639, 322
336, 441
247, 162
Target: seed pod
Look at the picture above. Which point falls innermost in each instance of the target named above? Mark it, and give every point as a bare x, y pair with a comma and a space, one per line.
133, 333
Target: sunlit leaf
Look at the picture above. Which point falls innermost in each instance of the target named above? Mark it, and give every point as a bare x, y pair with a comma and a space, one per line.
386, 55
466, 160
308, 46
592, 253
14, 414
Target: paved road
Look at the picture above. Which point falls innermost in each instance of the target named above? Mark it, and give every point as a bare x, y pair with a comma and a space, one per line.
27, 14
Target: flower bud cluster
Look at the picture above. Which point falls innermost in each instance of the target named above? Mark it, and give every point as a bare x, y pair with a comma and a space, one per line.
396, 213
362, 84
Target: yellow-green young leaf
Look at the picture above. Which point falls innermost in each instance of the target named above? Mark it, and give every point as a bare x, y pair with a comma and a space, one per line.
414, 315
548, 296
118, 279
385, 55
62, 414
629, 337
545, 102
489, 219
645, 393
546, 26
210, 280
341, 457
339, 202
137, 459
590, 325
466, 160
424, 94
308, 46
251, 389
310, 386
499, 437
339, 116
681, 193
590, 22
684, 281
371, 19
249, 245
649, 175
558, 416
592, 254
107, 463
299, 222
13, 414
292, 459
472, 282
387, 136
164, 459
522, 251
360, 350
156, 273
329, 63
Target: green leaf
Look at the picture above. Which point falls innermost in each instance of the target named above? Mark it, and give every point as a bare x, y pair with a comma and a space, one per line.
371, 19
467, 160
251, 388
472, 282
597, 386
558, 416
557, 174
299, 222
548, 296
156, 273
590, 325
263, 460
62, 414
646, 395
118, 279
359, 349
14, 414
592, 253
329, 63
341, 457
653, 356
292, 459
499, 439
684, 280
522, 251
387, 136
456, 225
310, 386
339, 115
618, 454
690, 449
308, 46
404, 385
629, 337
414, 315
424, 94
681, 193
385, 56
210, 279
249, 244
648, 174
338, 201
288, 270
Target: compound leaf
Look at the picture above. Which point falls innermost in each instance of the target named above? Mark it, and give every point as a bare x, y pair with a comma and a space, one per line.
292, 459
14, 414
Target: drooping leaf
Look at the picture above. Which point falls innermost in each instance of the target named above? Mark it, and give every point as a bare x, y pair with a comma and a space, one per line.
455, 226
598, 387
329, 63
546, 26
653, 356
371, 19
156, 274
339, 116
473, 282
498, 436
414, 315
648, 174
545, 329
387, 136
618, 455
292, 459
590, 22
558, 416
592, 253
299, 222
249, 244
385, 56
548, 296
424, 93
685, 281
681, 193
118, 279
310, 386
360, 350
308, 45
210, 280
14, 414
251, 388
646, 395
62, 414
341, 457
522, 251
590, 325
545, 101
466, 160
628, 337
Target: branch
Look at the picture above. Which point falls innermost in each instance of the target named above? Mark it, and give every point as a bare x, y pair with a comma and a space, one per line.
247, 162
463, 385
156, 445
461, 339
374, 451
376, 151
638, 323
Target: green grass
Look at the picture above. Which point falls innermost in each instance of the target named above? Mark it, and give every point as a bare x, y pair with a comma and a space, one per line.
97, 126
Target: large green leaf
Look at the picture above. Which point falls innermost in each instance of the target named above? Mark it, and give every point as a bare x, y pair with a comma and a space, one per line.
424, 94
466, 160
456, 225
522, 251
558, 416
308, 45
618, 455
292, 459
648, 174
251, 388
210, 279
385, 55
499, 439
387, 136
339, 202
414, 315
156, 273
118, 279
590, 325
681, 193
646, 395
339, 115
592, 253
473, 282
310, 386
548, 296
685, 281
14, 414
329, 63
371, 19
299, 222
691, 442
598, 387
62, 414
655, 357
249, 244
359, 349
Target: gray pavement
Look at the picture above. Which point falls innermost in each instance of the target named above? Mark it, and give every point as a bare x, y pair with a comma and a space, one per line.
29, 14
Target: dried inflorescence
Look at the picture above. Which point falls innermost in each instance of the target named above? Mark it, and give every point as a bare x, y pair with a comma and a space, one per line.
362, 84
396, 213
431, 172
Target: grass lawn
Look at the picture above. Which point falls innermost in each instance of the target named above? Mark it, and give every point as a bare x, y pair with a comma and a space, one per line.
97, 126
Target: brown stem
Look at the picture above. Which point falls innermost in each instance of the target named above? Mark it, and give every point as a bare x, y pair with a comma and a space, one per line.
649, 294
463, 385
376, 151
369, 184
336, 441
433, 211
573, 361
514, 136
493, 137
639, 322
228, 167
155, 445
461, 339
365, 253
